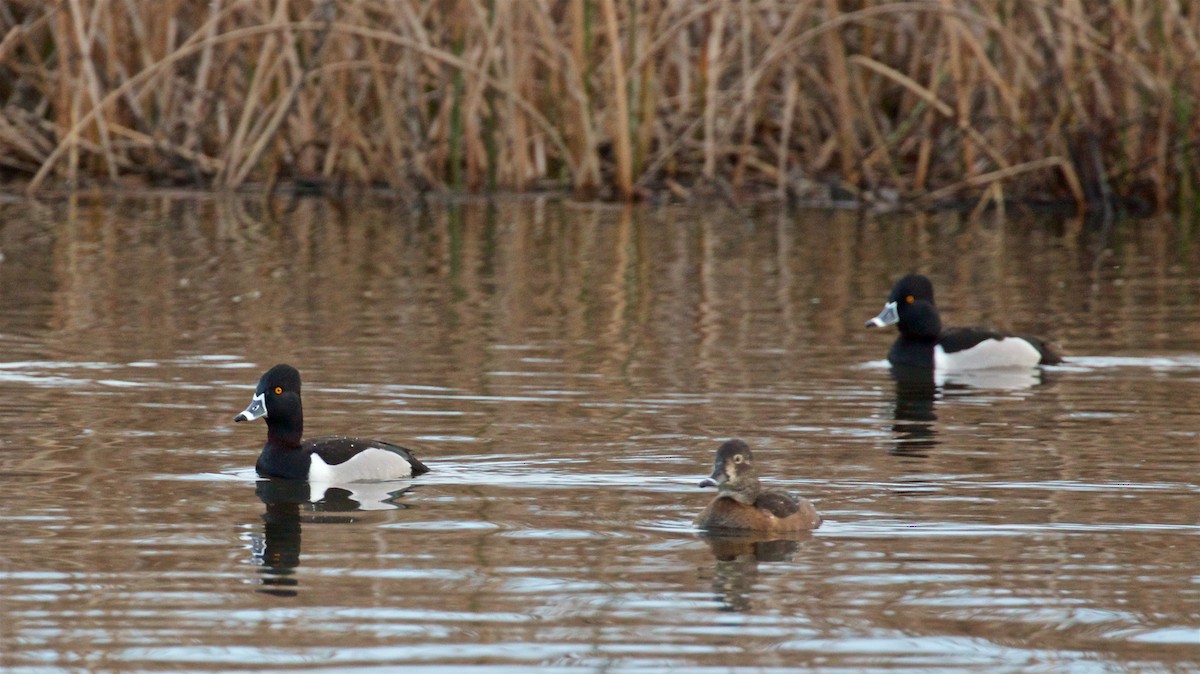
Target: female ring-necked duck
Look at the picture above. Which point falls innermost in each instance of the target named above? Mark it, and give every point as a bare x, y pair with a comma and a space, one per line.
742, 503
331, 459
923, 344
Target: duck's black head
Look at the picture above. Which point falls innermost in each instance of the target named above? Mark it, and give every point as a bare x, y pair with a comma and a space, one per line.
911, 308
277, 399
734, 472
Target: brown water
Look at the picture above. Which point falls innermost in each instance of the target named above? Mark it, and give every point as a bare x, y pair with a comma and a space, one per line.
567, 372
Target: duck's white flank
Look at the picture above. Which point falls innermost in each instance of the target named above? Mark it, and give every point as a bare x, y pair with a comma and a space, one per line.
990, 353
372, 463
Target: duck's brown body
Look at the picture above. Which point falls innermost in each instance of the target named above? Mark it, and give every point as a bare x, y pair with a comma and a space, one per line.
743, 504
771, 511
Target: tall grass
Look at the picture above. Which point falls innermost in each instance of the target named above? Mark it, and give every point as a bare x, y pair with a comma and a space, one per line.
1082, 100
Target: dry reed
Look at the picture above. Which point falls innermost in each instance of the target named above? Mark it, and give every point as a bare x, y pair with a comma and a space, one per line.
1082, 100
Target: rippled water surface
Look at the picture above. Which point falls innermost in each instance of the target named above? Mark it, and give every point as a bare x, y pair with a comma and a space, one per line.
567, 372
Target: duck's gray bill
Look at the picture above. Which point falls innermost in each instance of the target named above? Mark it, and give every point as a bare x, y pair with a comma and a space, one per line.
257, 408
889, 316
718, 476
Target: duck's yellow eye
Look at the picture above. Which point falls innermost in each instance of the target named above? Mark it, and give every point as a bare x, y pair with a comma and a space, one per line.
278, 390
910, 299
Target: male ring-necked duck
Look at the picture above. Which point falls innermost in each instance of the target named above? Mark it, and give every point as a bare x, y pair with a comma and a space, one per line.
742, 503
331, 459
923, 344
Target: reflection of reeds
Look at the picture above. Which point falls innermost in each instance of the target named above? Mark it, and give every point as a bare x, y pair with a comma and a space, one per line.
1074, 100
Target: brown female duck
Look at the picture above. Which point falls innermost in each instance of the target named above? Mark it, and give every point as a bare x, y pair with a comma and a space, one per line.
742, 503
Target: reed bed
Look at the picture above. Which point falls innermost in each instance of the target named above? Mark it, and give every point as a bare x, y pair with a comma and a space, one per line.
1087, 101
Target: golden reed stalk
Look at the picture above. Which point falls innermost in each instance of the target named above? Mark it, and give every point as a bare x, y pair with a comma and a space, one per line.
1085, 101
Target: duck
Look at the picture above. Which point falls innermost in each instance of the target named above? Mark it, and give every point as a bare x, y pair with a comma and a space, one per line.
331, 459
924, 344
741, 502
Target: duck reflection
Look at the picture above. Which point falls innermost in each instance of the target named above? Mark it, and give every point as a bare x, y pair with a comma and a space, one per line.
291, 502
918, 390
915, 416
737, 556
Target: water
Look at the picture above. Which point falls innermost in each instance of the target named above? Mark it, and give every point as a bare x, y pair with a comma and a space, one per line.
567, 372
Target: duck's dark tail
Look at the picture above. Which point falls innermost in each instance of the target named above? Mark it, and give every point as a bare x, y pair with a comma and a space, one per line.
1050, 355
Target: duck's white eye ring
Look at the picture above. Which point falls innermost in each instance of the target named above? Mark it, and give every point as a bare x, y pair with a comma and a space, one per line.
278, 390
738, 458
